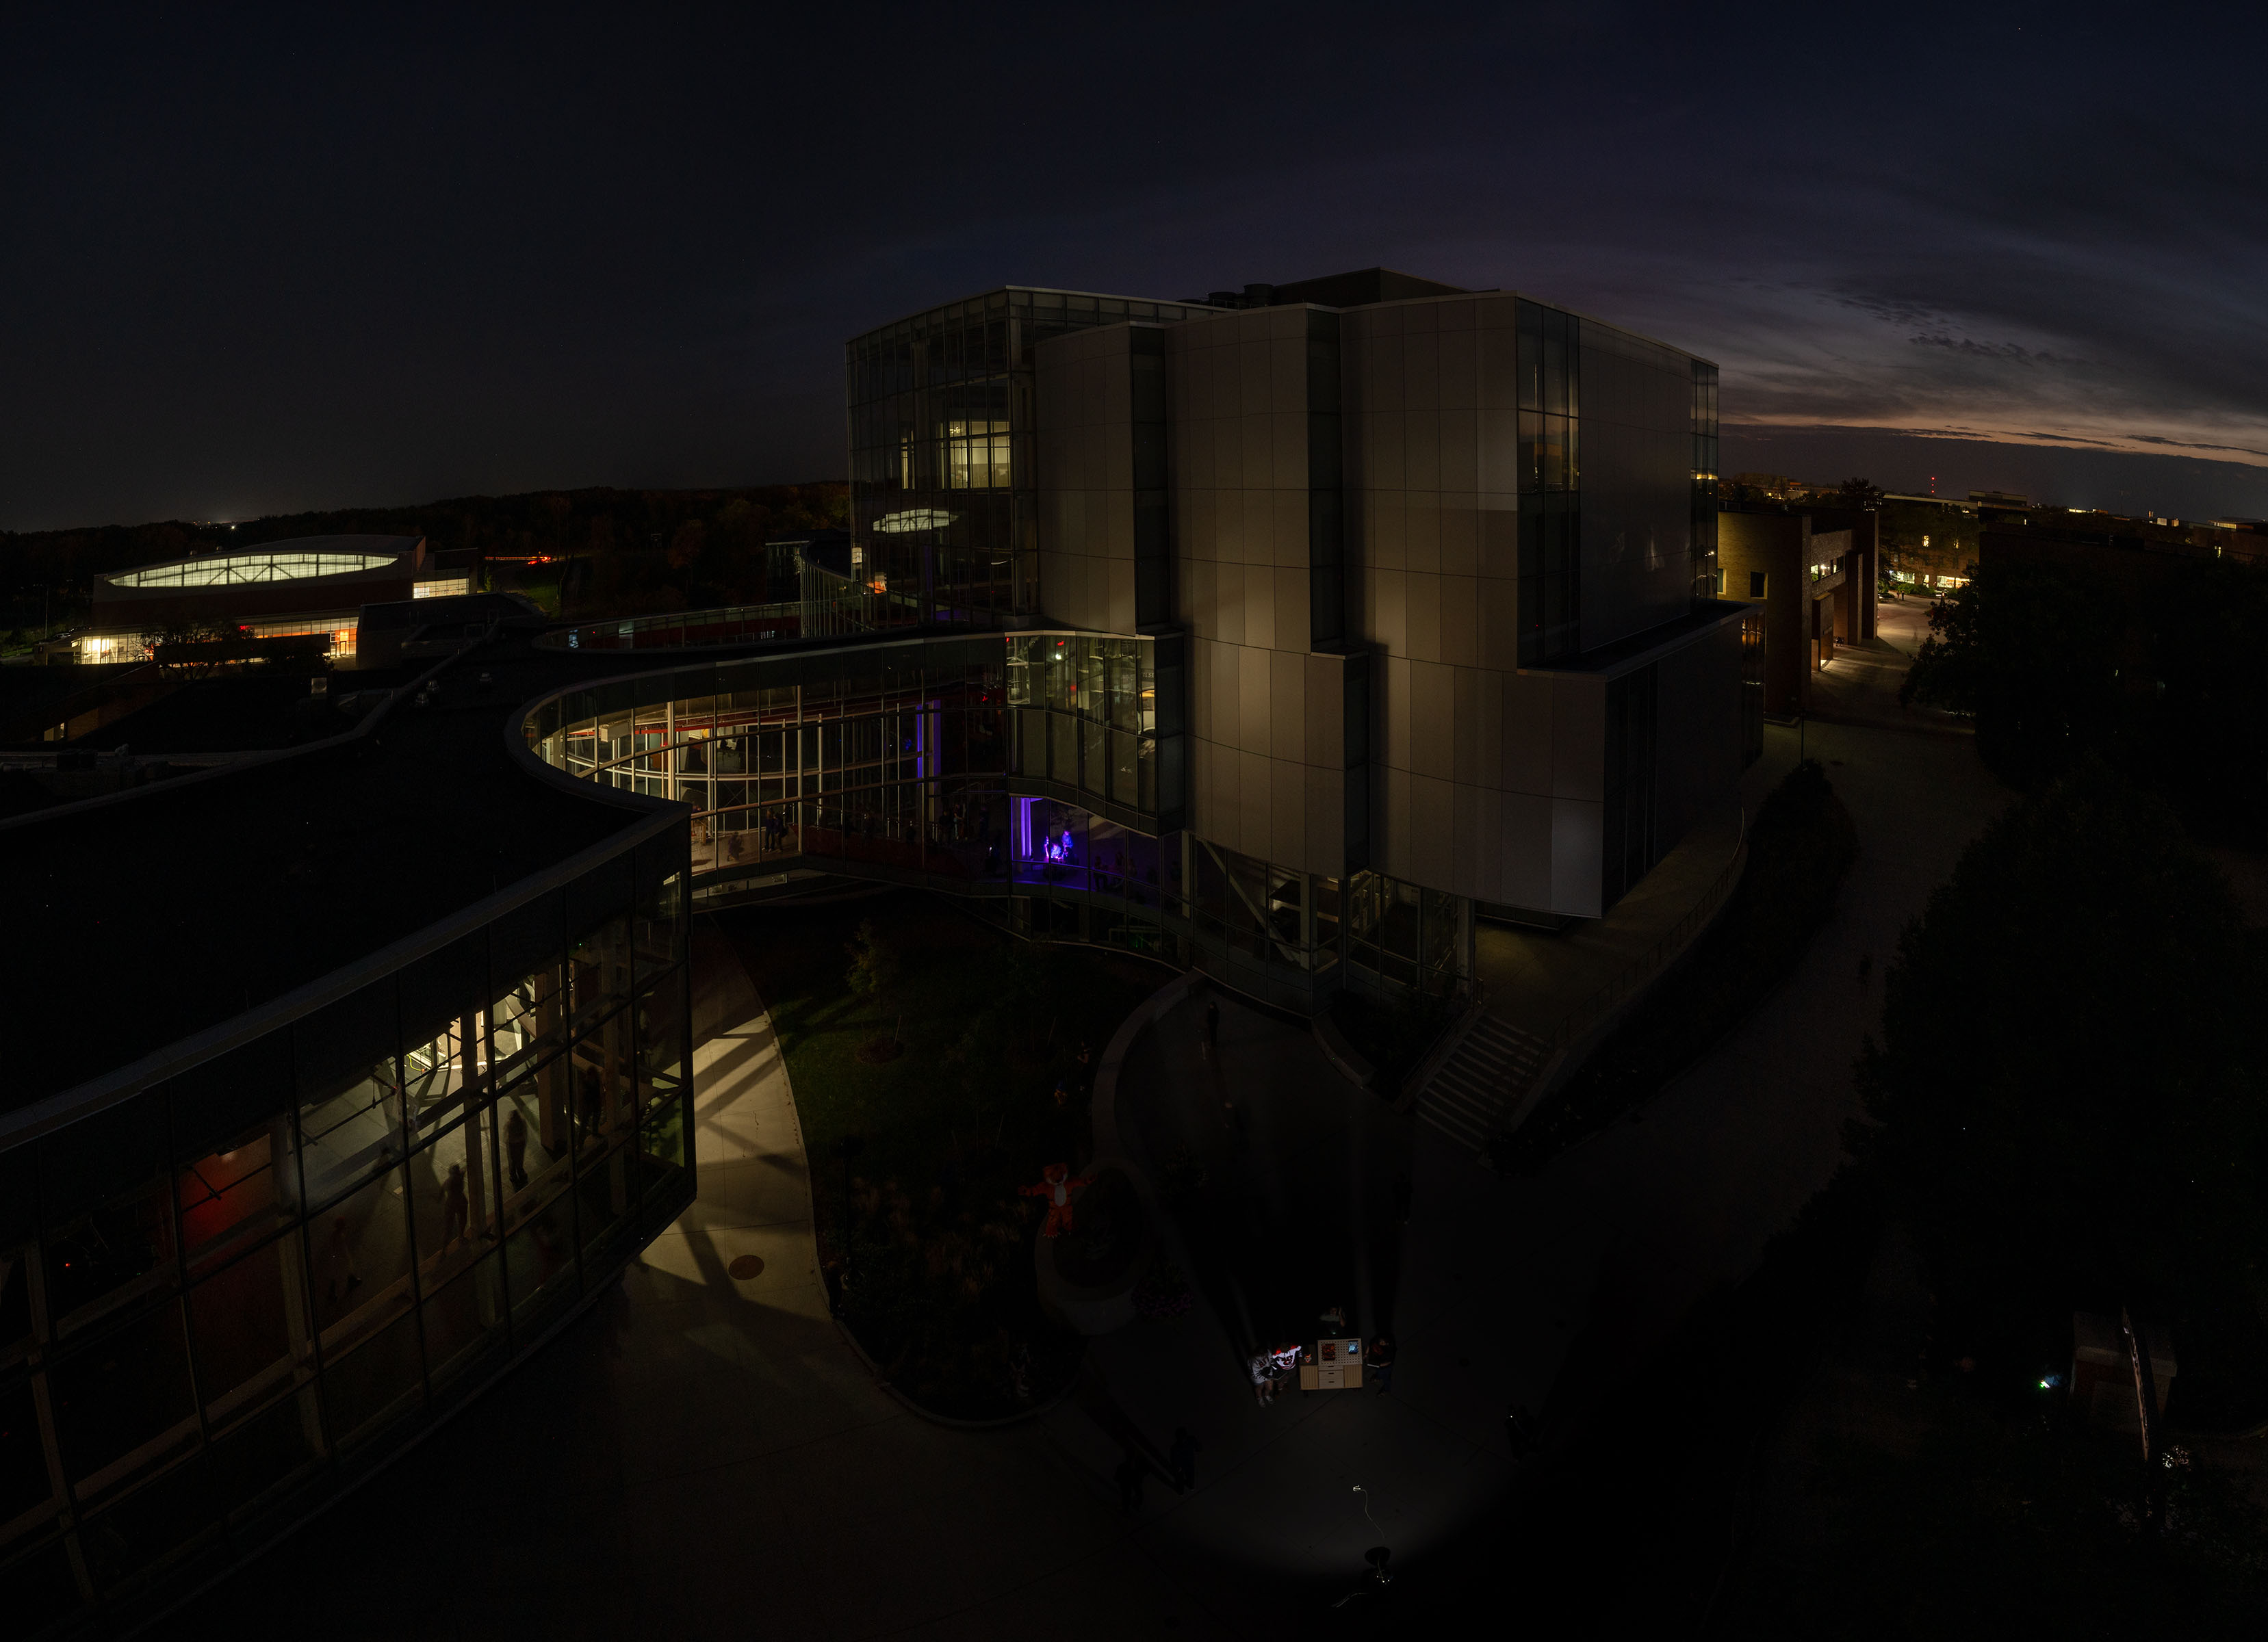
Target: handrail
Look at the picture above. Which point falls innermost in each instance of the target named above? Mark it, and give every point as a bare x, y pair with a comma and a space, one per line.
724, 625
1587, 1014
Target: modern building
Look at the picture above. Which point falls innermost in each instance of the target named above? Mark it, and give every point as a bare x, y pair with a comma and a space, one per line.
339, 1079
1812, 573
314, 584
1326, 617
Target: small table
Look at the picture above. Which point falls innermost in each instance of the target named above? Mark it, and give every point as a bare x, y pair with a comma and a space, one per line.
1337, 1367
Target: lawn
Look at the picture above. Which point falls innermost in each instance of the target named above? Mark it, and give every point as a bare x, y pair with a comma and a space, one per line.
934, 1045
1799, 846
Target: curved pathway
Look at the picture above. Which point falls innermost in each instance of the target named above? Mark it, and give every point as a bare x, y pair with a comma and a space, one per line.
705, 1456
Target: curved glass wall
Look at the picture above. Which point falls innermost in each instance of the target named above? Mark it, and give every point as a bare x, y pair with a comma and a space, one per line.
250, 1283
1040, 774
236, 569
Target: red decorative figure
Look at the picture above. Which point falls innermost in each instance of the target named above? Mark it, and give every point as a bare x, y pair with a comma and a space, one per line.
1055, 1186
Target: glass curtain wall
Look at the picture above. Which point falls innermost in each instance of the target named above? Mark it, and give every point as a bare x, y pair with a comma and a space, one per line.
261, 1276
1706, 572
943, 487
1551, 484
907, 762
1406, 938
1088, 725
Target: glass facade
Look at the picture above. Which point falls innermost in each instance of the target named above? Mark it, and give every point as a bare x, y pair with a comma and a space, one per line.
1708, 580
1039, 773
903, 756
1403, 937
943, 488
230, 569
244, 1285
1551, 476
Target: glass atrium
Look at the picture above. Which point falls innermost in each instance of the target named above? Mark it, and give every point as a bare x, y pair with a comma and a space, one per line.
943, 489
238, 567
243, 1287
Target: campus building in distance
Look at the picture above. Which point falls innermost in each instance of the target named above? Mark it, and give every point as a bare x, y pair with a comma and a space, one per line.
314, 584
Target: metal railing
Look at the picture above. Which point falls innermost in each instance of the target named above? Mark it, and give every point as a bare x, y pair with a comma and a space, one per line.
1587, 1015
732, 625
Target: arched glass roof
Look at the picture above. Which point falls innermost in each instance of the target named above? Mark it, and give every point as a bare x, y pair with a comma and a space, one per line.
296, 566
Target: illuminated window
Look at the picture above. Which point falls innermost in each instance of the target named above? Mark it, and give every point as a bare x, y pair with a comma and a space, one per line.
342, 630
242, 567
443, 587
977, 455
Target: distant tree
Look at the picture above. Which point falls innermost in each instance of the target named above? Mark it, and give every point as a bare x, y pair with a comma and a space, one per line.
2161, 679
1858, 493
685, 547
2070, 1095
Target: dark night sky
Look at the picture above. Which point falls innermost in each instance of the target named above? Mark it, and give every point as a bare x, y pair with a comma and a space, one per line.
256, 263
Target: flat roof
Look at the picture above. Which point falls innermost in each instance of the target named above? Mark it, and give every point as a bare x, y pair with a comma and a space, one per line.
144, 919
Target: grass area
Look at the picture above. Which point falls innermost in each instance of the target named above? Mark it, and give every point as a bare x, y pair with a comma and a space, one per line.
1801, 845
934, 1045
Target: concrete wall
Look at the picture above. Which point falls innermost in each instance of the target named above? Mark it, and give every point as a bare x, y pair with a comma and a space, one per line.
1697, 733
1267, 733
1489, 781
1084, 450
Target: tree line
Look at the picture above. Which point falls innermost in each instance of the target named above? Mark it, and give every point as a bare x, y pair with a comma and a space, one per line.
634, 550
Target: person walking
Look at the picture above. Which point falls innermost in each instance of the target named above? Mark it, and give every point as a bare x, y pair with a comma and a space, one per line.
1381, 1362
340, 1279
1183, 1457
1211, 1025
515, 1148
455, 1211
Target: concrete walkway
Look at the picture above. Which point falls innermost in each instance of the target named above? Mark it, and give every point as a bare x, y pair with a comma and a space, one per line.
1861, 685
1535, 978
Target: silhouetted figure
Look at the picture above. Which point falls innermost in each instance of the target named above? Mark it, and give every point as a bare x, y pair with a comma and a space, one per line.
1381, 1362
515, 1148
1212, 1025
1130, 1484
594, 1100
338, 1278
1865, 967
455, 1211
1183, 1457
1402, 1193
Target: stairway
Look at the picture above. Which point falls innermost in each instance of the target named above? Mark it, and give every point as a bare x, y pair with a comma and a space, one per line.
1479, 1086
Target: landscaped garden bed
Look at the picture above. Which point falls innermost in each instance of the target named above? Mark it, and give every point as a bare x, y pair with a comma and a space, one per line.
956, 1062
